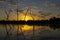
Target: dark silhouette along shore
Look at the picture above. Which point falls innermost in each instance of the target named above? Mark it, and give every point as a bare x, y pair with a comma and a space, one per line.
53, 22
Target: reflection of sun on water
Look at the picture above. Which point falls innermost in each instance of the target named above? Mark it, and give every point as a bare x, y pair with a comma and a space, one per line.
26, 27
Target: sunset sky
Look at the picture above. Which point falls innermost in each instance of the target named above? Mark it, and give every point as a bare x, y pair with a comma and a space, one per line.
38, 10
42, 8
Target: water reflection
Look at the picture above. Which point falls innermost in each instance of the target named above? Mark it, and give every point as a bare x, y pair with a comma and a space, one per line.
24, 31
27, 28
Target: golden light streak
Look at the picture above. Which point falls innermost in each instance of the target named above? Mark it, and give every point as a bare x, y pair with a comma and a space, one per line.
27, 27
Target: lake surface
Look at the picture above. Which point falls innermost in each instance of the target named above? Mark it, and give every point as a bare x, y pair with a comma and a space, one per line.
28, 32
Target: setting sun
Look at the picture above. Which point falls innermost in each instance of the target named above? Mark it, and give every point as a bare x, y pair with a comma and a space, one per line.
27, 17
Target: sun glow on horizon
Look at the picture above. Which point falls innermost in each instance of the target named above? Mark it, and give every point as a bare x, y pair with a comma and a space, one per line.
26, 18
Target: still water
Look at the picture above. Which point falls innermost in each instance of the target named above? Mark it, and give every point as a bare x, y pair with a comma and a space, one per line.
27, 32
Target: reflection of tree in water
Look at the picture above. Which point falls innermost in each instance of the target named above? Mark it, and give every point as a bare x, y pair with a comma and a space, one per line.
28, 34
54, 26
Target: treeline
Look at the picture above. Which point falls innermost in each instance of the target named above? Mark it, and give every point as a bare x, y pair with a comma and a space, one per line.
52, 22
